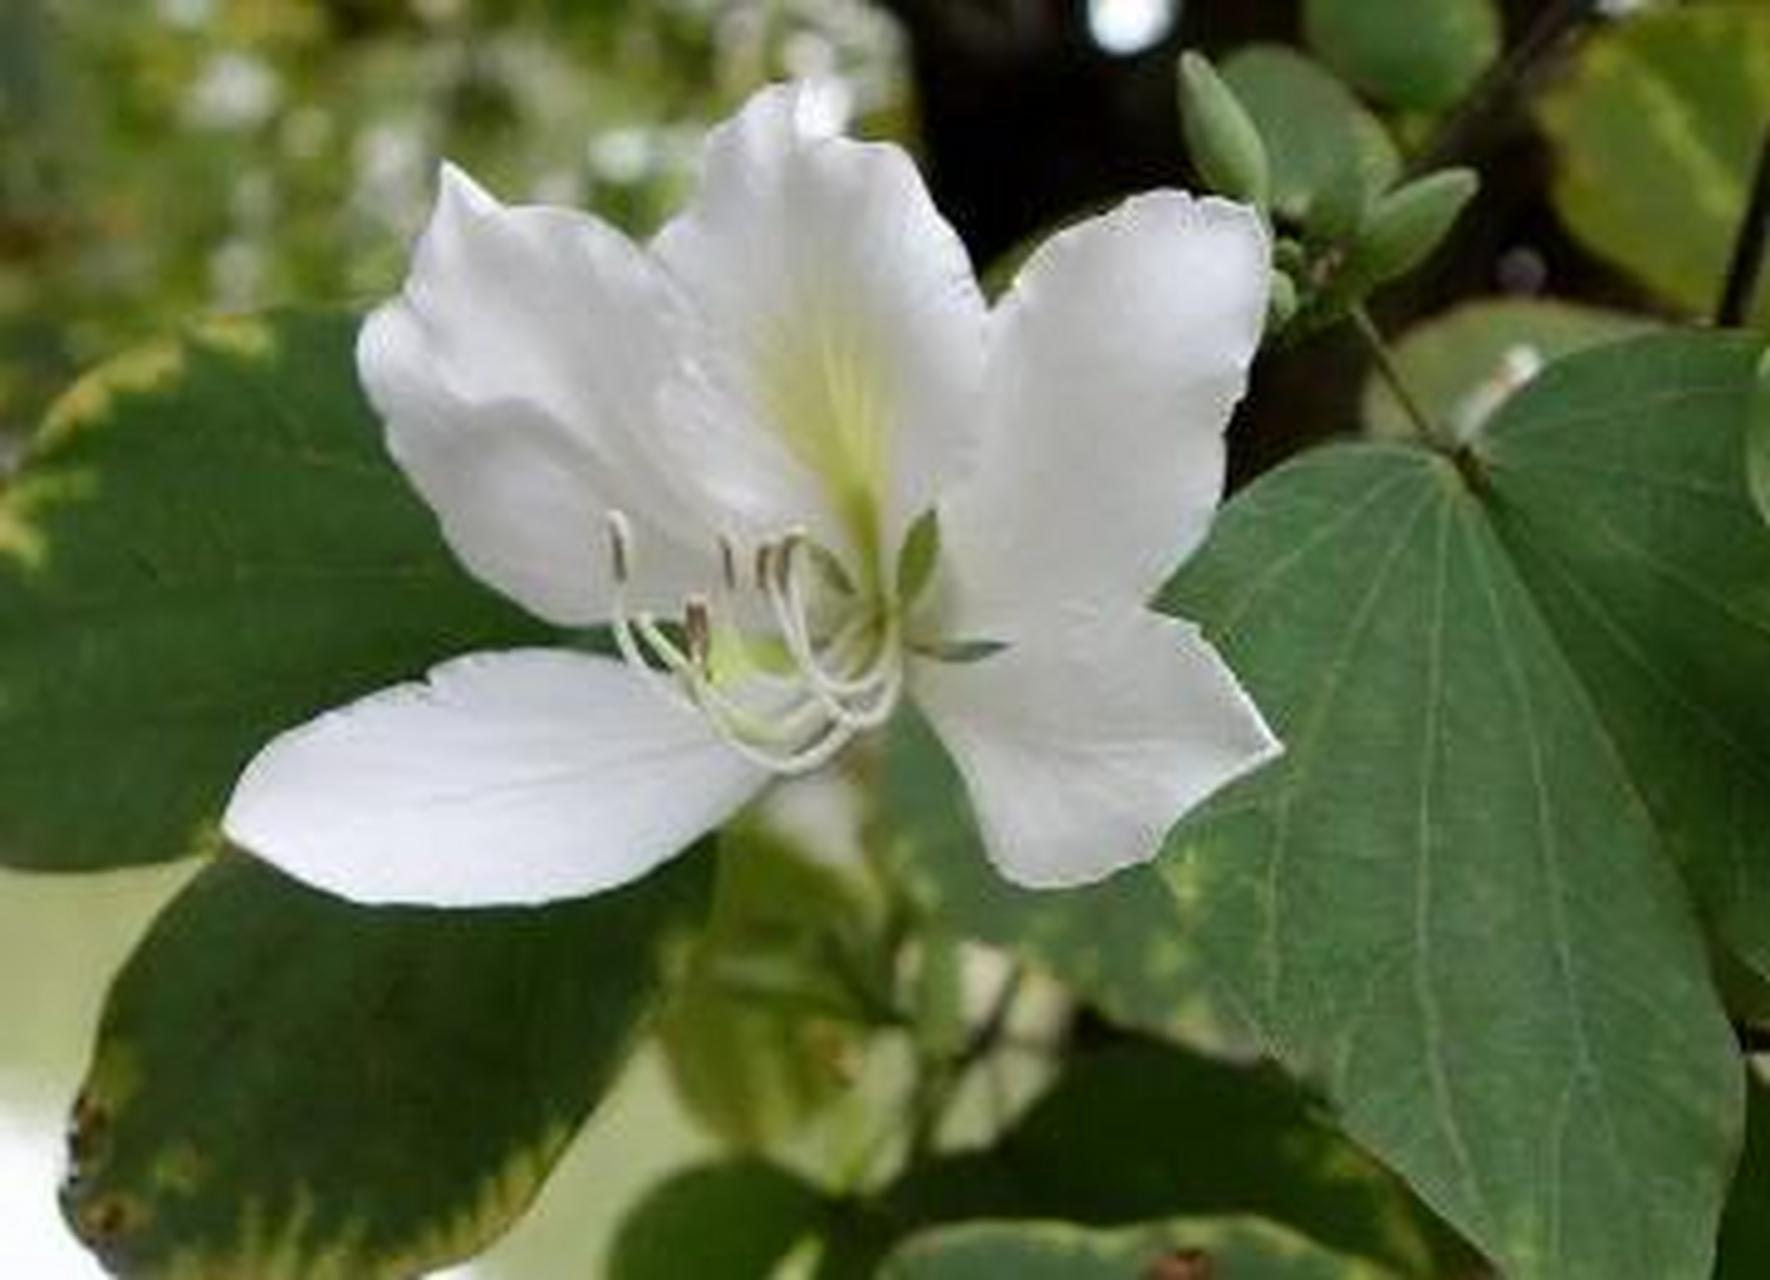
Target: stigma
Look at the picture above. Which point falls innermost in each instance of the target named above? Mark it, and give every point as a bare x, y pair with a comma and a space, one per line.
827, 666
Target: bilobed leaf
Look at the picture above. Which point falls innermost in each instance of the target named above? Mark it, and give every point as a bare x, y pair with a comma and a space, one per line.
1115, 945
1322, 145
1195, 1249
1144, 1132
736, 1220
1454, 905
1458, 363
1617, 487
1656, 135
1418, 54
206, 544
289, 1087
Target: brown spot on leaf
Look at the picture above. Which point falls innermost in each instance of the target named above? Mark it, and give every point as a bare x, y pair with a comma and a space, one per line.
1181, 1264
104, 1221
89, 1126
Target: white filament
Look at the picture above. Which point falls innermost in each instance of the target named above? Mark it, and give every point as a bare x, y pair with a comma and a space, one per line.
837, 687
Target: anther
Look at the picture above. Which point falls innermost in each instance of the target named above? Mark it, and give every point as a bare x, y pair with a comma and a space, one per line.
697, 623
620, 538
728, 563
764, 557
783, 568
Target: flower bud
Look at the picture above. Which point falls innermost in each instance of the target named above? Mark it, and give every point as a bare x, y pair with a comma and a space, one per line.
1337, 205
1220, 135
1404, 227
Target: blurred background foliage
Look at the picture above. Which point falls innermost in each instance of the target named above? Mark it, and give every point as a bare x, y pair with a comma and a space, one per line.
164, 158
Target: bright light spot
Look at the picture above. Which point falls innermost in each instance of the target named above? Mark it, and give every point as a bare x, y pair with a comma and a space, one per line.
1130, 26
233, 91
188, 14
826, 106
35, 1243
621, 155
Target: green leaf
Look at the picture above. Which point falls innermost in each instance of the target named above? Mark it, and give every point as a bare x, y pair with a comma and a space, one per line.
1618, 489
761, 1033
1656, 134
1326, 152
736, 1220
1113, 944
206, 545
1143, 1132
290, 1086
1197, 1249
1757, 441
1452, 904
1458, 363
1418, 54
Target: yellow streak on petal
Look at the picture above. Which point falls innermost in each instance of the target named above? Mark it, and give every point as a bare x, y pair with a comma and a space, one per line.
829, 395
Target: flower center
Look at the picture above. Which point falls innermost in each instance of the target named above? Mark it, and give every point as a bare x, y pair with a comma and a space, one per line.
788, 700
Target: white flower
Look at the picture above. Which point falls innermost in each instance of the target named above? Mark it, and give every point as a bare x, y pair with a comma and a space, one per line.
739, 428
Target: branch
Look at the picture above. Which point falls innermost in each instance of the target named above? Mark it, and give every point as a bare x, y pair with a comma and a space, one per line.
1748, 248
1491, 94
1752, 1038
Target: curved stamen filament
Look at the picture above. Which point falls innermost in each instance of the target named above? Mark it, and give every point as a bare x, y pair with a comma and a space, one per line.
833, 690
878, 681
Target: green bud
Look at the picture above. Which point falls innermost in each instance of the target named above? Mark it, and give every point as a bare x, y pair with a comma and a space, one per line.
1337, 206
1282, 304
915, 563
1404, 227
1289, 256
1220, 135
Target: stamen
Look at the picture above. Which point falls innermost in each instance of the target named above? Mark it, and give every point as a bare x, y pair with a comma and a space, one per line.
814, 756
847, 682
880, 672
728, 564
698, 623
708, 698
620, 537
620, 534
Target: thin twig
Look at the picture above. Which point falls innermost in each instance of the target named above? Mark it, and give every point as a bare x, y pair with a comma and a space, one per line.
1392, 376
989, 1032
1753, 1039
1492, 92
940, 1079
1747, 263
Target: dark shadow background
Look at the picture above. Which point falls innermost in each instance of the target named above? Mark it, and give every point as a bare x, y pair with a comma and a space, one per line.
1025, 119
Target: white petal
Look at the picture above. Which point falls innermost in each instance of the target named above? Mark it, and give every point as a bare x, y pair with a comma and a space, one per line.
505, 778
1081, 747
853, 322
520, 374
1114, 364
